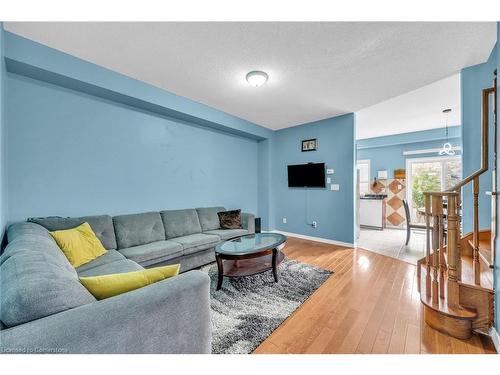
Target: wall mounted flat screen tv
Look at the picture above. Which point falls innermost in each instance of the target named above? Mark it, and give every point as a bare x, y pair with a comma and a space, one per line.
307, 175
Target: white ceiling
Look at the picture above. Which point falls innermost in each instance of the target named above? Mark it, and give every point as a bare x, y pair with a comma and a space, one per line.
416, 110
317, 70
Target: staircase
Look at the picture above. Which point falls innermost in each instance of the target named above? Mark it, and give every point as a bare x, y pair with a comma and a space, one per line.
456, 275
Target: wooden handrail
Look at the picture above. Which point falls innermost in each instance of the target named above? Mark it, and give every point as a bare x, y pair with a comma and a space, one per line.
485, 119
484, 141
434, 212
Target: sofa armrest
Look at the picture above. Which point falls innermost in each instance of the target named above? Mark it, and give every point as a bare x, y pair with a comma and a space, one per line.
170, 316
248, 221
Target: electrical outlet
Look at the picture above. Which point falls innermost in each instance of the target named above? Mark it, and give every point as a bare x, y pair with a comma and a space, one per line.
314, 224
330, 171
335, 187
328, 180
284, 220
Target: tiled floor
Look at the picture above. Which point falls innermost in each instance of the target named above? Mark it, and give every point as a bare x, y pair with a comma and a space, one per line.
391, 242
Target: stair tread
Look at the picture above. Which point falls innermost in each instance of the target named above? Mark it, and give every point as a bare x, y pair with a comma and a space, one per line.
485, 255
484, 250
484, 244
459, 312
468, 273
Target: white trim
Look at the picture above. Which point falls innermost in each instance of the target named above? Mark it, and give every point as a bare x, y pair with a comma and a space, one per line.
311, 238
358, 180
495, 338
367, 162
429, 151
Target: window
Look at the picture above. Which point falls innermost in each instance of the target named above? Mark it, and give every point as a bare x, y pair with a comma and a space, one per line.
429, 174
363, 167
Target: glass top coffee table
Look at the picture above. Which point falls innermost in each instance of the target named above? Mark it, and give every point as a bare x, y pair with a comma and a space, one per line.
249, 255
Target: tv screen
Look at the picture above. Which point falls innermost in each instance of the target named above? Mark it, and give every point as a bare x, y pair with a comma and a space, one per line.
307, 175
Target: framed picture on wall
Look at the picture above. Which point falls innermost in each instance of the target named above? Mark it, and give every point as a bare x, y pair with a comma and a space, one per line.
309, 145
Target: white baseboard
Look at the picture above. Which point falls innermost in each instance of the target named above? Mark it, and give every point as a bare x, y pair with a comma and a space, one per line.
495, 338
311, 238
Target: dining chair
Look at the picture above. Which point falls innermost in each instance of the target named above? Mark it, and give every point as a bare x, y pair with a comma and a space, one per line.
409, 224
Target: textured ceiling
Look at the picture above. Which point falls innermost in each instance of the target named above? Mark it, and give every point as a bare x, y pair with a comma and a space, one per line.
317, 70
416, 110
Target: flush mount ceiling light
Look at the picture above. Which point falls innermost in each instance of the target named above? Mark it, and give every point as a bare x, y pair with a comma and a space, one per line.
257, 78
447, 147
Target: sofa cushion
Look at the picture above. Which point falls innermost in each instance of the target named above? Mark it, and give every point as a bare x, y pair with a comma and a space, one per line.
197, 259
248, 222
102, 226
149, 253
35, 283
120, 266
209, 219
193, 243
109, 257
138, 229
27, 229
36, 243
180, 222
226, 234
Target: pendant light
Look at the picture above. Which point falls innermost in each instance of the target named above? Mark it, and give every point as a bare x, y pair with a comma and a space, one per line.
447, 147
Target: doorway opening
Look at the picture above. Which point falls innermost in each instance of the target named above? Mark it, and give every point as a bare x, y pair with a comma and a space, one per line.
429, 174
433, 173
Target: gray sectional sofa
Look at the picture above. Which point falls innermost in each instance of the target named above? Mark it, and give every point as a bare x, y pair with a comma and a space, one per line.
44, 308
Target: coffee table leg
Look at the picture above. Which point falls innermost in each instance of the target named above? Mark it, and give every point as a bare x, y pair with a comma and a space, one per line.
220, 267
275, 266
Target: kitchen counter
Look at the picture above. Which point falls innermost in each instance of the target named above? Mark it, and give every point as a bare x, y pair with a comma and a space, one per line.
372, 211
374, 196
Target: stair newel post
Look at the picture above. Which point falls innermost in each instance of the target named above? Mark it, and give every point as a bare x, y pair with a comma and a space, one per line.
458, 255
442, 264
475, 232
436, 200
428, 243
453, 290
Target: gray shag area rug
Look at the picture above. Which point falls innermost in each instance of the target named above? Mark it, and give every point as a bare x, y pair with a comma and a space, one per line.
248, 309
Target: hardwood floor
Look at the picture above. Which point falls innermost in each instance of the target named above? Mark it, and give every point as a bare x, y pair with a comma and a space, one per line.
369, 305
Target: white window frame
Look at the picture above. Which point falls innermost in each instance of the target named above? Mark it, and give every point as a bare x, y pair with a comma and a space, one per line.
368, 162
430, 159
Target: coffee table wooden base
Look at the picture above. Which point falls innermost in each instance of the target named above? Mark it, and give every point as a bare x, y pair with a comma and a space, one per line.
238, 266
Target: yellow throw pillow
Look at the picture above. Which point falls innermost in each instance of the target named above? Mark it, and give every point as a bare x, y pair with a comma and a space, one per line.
106, 286
80, 244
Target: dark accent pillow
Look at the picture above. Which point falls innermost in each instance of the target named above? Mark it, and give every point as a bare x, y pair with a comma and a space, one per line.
230, 219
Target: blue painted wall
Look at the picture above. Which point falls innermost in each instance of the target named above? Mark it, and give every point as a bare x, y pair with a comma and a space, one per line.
73, 154
85, 140
473, 80
3, 143
386, 153
333, 210
35, 60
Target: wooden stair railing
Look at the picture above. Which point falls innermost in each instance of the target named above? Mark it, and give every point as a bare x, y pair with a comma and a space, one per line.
451, 305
